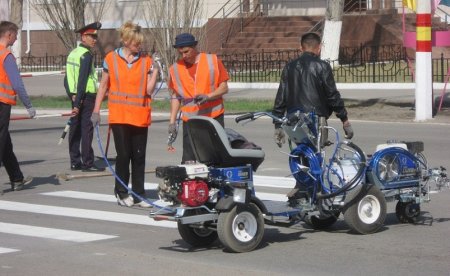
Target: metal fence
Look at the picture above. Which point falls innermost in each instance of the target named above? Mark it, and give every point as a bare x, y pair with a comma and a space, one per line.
388, 63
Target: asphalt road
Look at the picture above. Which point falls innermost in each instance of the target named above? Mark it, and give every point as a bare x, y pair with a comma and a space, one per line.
75, 227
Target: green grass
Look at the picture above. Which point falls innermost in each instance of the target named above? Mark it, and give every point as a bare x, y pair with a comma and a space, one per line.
231, 106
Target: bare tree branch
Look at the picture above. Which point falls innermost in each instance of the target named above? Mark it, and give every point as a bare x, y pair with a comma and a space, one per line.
168, 18
64, 17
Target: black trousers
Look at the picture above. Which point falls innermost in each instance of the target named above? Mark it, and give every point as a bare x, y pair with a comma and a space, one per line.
7, 156
188, 152
81, 132
131, 144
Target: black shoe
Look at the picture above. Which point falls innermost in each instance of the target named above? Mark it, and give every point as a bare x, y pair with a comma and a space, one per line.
75, 167
92, 168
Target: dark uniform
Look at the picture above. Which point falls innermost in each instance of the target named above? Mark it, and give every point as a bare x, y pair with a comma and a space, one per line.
81, 86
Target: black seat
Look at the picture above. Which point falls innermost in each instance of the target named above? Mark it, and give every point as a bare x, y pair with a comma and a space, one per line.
212, 148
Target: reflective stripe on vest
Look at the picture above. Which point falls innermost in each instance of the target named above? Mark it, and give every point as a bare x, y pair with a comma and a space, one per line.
73, 70
128, 101
212, 108
7, 93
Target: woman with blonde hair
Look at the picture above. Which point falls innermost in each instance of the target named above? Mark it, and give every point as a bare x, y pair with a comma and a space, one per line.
130, 77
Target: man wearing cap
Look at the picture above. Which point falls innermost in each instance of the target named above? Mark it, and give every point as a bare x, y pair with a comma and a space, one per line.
81, 87
197, 82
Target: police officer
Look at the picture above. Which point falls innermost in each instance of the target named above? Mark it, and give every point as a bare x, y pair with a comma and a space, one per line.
81, 87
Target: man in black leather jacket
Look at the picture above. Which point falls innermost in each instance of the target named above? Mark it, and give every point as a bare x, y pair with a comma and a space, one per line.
307, 83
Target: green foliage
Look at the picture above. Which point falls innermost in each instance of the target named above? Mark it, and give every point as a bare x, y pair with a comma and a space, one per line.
231, 105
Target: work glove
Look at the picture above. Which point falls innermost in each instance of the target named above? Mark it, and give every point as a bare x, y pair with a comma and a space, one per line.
95, 119
31, 112
201, 99
172, 134
348, 130
279, 137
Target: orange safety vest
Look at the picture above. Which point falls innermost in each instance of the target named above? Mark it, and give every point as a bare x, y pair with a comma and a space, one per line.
206, 81
128, 102
7, 94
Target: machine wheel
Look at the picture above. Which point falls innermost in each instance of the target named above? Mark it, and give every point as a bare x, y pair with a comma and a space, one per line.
197, 237
320, 222
365, 209
407, 212
241, 229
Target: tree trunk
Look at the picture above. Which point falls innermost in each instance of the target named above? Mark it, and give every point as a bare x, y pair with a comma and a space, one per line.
4, 10
16, 17
331, 37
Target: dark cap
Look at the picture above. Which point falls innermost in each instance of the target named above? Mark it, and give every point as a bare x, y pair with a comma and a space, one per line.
90, 29
184, 40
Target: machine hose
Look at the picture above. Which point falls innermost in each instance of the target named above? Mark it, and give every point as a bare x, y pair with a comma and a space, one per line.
120, 180
360, 172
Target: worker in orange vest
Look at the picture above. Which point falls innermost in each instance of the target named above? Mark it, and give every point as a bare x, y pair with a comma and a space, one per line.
10, 85
197, 82
130, 76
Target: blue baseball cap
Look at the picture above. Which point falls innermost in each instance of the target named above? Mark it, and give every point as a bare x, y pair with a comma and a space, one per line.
184, 40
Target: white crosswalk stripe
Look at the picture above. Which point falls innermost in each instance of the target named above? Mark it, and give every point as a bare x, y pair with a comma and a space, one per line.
4, 250
148, 186
82, 213
51, 233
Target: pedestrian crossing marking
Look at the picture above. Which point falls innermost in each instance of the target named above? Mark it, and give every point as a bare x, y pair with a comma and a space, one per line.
51, 233
4, 250
83, 213
111, 198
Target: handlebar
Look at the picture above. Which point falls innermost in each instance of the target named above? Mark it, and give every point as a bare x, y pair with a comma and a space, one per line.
248, 116
255, 115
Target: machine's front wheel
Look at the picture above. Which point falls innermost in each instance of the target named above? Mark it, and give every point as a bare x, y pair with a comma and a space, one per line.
407, 212
197, 237
365, 209
241, 229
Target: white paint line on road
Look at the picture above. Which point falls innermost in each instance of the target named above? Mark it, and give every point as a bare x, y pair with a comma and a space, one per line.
51, 233
4, 250
110, 198
83, 195
83, 213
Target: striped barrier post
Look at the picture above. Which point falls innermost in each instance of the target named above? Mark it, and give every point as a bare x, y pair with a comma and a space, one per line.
424, 77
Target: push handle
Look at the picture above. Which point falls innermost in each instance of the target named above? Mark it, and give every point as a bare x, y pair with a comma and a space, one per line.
245, 117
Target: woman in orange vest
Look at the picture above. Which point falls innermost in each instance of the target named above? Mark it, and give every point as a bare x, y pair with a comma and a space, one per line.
130, 78
198, 82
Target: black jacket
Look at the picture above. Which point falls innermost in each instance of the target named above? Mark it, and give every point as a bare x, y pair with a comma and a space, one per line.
308, 83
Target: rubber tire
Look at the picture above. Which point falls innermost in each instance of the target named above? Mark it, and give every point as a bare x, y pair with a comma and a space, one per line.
197, 237
238, 240
359, 199
321, 222
405, 214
